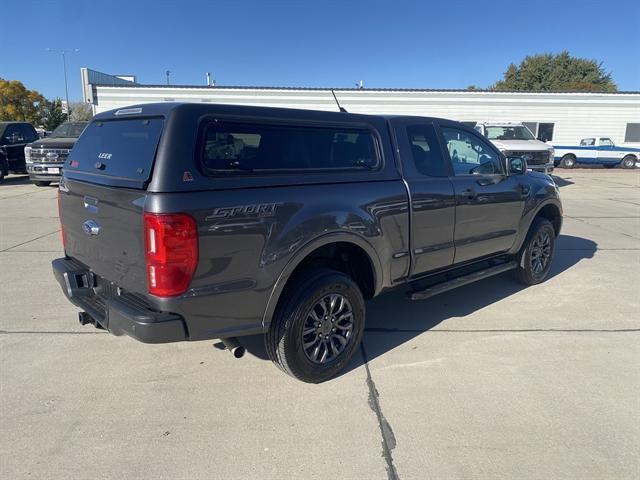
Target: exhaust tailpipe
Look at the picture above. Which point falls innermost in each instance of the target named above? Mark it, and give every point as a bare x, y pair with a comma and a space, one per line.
234, 346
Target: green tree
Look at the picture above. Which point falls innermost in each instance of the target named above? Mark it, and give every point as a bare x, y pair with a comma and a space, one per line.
52, 114
80, 112
19, 103
556, 72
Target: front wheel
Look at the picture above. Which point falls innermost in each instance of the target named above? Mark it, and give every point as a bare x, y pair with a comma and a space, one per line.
536, 255
628, 162
317, 326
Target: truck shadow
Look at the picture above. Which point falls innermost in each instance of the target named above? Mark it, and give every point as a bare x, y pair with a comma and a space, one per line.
393, 319
562, 182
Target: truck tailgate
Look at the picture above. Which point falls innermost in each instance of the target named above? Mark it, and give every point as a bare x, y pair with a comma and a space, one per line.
103, 228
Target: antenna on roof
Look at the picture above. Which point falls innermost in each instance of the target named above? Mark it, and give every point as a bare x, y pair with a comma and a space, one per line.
336, 99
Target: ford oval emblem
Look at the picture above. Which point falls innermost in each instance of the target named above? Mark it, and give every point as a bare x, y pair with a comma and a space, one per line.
52, 156
91, 227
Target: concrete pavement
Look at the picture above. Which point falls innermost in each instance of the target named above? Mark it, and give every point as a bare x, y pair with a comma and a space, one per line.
488, 381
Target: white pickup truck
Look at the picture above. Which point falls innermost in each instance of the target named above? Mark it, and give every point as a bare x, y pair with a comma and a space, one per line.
597, 151
515, 140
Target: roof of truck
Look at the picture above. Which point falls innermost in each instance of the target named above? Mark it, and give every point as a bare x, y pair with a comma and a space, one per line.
164, 108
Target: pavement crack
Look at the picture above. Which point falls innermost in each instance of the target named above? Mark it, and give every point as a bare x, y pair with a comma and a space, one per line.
388, 438
29, 241
497, 330
583, 220
54, 332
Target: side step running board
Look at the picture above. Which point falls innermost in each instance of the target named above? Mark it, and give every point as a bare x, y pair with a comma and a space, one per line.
463, 280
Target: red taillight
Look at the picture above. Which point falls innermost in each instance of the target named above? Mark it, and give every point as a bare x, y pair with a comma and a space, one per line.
171, 251
60, 218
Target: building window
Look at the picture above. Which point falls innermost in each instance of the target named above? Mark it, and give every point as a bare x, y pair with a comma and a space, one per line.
545, 132
633, 132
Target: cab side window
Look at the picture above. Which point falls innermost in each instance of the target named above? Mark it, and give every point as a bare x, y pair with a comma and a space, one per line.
13, 135
469, 154
587, 142
605, 142
28, 133
425, 150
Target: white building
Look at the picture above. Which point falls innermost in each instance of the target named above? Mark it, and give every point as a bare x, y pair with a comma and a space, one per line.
558, 117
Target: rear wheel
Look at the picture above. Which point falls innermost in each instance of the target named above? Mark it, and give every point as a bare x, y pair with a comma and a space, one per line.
568, 161
3, 168
317, 326
628, 162
42, 183
536, 255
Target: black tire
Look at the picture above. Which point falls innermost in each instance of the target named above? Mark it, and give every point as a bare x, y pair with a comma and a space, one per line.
628, 162
568, 161
4, 170
285, 339
41, 183
535, 248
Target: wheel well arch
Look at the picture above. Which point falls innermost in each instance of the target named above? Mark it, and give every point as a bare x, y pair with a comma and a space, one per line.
552, 213
572, 155
352, 256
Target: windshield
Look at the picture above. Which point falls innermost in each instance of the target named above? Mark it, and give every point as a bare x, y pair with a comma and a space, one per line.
69, 130
518, 132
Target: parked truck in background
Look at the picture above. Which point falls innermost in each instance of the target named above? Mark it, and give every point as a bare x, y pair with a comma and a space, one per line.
597, 151
195, 221
515, 139
45, 157
14, 136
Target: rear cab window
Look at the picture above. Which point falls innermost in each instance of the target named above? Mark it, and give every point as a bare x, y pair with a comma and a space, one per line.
248, 148
116, 152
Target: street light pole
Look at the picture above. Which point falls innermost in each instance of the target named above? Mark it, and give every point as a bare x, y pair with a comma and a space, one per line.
64, 66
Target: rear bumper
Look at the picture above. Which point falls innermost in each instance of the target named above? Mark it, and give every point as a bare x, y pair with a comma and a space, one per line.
120, 314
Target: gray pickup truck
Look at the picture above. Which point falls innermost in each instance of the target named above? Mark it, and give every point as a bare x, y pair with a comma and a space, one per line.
195, 221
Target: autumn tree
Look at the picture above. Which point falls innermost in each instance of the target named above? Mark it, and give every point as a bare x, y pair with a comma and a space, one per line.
52, 114
19, 103
557, 72
80, 112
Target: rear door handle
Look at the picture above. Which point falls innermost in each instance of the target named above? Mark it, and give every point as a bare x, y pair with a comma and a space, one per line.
470, 194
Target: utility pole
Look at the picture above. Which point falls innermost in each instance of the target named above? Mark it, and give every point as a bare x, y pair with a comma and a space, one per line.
64, 66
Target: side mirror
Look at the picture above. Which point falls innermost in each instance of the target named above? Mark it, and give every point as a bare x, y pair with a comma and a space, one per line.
516, 165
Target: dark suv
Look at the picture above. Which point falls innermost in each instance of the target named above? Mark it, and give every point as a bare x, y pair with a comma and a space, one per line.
14, 136
193, 221
45, 157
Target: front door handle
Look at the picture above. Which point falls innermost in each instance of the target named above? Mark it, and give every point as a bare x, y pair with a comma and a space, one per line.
469, 194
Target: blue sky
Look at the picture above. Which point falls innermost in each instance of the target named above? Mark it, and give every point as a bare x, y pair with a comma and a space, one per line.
395, 43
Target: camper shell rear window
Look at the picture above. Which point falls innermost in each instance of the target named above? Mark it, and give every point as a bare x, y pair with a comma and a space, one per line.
116, 152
